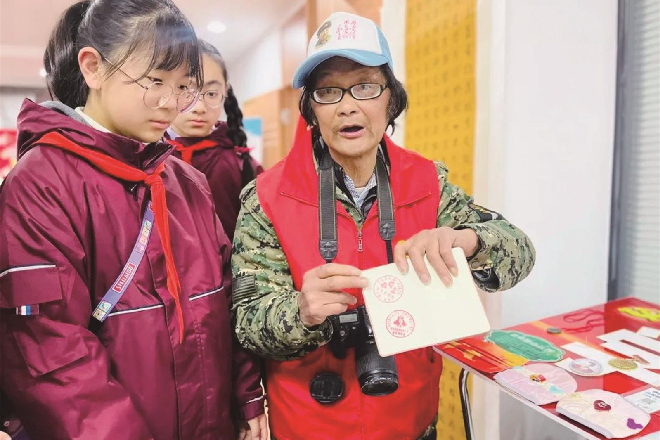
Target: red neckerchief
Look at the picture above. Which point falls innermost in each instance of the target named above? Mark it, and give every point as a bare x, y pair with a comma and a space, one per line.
120, 170
187, 152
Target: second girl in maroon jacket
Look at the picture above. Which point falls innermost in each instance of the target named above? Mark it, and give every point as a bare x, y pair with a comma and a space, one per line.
217, 149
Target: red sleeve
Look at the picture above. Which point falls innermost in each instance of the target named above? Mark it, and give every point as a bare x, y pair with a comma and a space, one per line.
56, 373
248, 393
248, 399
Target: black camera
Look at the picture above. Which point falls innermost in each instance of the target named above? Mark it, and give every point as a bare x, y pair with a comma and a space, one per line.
377, 375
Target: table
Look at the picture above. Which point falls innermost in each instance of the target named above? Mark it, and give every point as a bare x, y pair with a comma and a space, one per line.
622, 329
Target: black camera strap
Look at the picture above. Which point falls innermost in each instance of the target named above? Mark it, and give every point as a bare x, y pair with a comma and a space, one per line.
386, 227
328, 245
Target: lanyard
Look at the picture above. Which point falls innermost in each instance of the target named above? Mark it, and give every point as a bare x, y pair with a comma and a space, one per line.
115, 292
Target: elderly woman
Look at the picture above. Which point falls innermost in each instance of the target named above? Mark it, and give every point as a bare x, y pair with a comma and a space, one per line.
335, 206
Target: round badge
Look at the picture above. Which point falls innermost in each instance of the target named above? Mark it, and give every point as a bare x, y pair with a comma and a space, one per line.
623, 364
388, 289
585, 367
400, 324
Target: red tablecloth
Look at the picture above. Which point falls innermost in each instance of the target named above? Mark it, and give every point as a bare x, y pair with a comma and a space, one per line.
533, 341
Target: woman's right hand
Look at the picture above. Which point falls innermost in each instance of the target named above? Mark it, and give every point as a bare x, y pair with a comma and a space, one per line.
322, 292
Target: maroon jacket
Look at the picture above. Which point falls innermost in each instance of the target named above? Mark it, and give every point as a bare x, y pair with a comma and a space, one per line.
67, 231
222, 167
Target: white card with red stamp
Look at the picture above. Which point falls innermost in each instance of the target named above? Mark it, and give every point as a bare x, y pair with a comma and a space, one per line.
407, 314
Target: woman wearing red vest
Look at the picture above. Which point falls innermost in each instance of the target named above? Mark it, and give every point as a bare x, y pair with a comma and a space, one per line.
115, 281
217, 149
298, 254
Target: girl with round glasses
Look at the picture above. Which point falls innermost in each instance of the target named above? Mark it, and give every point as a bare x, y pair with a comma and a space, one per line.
115, 282
217, 149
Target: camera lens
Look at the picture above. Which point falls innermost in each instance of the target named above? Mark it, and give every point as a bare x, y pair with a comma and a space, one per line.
377, 376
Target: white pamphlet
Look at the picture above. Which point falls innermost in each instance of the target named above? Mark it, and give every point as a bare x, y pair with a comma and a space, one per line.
407, 314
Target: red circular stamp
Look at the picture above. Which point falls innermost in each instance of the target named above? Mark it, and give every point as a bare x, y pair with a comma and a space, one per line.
400, 324
388, 289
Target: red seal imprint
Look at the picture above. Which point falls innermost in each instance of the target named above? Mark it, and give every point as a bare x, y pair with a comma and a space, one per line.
400, 324
388, 289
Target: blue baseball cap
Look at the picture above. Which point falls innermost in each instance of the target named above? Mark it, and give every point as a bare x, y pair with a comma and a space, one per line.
348, 36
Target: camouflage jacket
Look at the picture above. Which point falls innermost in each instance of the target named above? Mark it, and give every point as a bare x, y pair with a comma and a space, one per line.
267, 319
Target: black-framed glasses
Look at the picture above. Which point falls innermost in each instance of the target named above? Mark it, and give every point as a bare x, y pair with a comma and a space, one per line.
361, 92
212, 98
158, 94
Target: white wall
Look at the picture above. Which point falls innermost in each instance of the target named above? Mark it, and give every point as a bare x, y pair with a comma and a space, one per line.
10, 104
488, 155
558, 148
260, 70
545, 123
393, 25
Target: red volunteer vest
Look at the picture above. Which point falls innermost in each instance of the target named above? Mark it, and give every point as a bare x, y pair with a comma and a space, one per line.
288, 194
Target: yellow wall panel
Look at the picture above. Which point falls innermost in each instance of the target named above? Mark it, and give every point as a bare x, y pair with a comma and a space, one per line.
440, 80
440, 69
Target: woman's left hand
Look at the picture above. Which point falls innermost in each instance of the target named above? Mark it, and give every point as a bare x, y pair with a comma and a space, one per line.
254, 429
436, 244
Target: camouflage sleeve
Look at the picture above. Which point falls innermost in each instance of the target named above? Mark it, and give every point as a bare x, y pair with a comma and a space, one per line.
265, 307
505, 256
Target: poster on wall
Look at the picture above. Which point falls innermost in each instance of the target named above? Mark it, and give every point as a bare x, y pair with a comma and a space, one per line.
254, 130
7, 151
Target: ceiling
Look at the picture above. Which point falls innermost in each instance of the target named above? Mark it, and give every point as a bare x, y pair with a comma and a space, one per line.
25, 26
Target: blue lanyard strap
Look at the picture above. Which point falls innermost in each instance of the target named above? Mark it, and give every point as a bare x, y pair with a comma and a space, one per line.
115, 292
